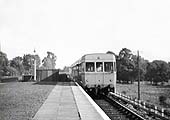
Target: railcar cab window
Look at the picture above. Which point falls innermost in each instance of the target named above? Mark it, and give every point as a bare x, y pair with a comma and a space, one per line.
108, 66
89, 66
99, 67
81, 67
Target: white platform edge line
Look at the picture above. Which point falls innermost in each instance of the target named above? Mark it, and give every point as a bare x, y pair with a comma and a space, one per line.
99, 110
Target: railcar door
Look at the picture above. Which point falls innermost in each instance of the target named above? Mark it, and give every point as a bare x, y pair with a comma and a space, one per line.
90, 74
108, 73
99, 74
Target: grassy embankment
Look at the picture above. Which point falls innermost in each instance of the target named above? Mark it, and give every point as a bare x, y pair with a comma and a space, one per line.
21, 100
149, 93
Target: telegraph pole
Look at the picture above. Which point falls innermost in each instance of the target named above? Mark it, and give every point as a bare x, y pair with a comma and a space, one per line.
34, 66
138, 59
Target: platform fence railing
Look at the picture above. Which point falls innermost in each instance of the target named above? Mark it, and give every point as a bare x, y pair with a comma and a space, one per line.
147, 107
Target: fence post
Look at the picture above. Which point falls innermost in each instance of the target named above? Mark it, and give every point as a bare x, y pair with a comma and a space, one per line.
131, 100
162, 112
120, 95
135, 101
144, 105
156, 109
128, 98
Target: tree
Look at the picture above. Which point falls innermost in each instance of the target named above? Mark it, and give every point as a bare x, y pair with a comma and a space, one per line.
157, 71
10, 71
142, 67
28, 62
125, 66
49, 61
17, 63
110, 52
3, 59
3, 63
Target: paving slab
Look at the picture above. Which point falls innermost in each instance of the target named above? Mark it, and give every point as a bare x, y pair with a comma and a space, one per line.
60, 105
69, 103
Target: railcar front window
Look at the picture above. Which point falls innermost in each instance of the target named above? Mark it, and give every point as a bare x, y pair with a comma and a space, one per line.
99, 66
89, 67
108, 66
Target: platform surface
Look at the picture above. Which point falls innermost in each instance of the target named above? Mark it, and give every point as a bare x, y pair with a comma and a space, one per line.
67, 102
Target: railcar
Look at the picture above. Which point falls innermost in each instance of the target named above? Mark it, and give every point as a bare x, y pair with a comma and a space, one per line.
95, 72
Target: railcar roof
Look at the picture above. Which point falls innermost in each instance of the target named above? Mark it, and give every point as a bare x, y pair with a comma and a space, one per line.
101, 56
95, 56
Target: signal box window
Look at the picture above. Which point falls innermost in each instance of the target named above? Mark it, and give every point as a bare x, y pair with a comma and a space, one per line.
89, 67
99, 66
108, 66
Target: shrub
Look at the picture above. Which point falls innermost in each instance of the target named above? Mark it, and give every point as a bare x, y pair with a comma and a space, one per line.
123, 92
162, 99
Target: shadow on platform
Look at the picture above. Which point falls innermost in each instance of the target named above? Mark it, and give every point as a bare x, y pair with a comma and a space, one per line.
45, 83
54, 79
55, 83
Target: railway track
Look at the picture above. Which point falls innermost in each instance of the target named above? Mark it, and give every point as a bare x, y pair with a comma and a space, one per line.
116, 110
112, 112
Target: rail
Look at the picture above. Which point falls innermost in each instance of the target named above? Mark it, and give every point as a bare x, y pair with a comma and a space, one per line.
148, 108
124, 109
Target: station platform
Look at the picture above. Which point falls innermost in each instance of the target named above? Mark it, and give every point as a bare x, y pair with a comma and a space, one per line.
69, 102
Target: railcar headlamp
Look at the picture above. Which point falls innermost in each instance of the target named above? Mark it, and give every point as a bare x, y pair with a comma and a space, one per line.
111, 86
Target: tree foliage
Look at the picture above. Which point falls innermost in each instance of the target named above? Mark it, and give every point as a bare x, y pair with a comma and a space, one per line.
17, 63
28, 62
157, 71
49, 61
3, 60
3, 63
125, 66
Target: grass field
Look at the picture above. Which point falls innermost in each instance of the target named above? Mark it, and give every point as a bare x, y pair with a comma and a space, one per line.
21, 100
149, 93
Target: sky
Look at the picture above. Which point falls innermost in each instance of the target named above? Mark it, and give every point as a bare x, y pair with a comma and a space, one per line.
72, 28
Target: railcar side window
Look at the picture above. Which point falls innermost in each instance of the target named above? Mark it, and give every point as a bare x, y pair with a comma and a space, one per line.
90, 67
108, 66
99, 66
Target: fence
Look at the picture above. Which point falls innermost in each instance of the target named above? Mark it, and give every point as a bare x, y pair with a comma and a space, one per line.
9, 79
150, 108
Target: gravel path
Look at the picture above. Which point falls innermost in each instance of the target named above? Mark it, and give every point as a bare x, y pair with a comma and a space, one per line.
21, 100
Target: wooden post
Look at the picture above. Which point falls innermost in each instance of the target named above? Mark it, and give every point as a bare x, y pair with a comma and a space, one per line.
144, 105
156, 109
34, 67
162, 112
34, 70
135, 101
138, 77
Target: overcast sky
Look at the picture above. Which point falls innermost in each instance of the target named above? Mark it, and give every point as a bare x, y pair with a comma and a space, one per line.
72, 28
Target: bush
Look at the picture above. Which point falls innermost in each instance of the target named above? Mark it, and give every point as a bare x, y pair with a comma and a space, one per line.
162, 99
123, 92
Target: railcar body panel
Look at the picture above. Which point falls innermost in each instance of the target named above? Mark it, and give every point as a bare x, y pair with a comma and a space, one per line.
99, 79
90, 80
96, 71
